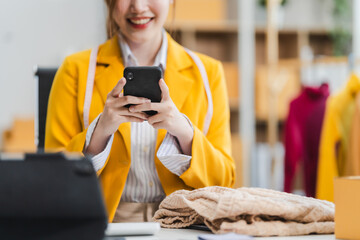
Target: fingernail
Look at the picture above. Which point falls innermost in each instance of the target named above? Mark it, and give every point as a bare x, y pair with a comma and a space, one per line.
148, 100
131, 109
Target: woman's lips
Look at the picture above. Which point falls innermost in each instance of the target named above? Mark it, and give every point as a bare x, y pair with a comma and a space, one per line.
139, 23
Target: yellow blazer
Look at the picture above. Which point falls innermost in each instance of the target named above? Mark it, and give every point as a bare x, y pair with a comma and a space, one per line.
353, 166
211, 162
335, 137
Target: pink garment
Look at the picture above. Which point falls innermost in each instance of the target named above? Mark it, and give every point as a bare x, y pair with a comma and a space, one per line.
250, 211
311, 147
305, 112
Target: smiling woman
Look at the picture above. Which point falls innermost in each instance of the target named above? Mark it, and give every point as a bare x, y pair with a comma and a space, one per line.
142, 22
115, 8
140, 158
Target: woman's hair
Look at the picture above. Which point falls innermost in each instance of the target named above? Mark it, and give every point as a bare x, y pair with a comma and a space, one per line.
111, 26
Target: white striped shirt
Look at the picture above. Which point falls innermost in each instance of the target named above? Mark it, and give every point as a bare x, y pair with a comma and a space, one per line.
143, 184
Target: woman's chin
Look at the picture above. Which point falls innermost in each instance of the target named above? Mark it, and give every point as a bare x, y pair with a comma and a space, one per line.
140, 36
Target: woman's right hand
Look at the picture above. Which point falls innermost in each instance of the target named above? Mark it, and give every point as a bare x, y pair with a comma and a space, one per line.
114, 114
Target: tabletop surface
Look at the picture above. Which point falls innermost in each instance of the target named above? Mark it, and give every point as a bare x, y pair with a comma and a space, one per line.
189, 234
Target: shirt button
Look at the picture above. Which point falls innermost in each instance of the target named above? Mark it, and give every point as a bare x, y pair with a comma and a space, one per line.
151, 183
146, 149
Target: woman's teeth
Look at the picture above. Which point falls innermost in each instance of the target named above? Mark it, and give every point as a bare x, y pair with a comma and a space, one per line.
140, 21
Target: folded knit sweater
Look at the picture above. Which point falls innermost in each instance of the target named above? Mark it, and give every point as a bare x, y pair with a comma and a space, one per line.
251, 211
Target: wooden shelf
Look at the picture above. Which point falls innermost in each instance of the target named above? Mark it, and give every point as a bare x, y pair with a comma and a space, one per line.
309, 31
234, 104
203, 26
232, 26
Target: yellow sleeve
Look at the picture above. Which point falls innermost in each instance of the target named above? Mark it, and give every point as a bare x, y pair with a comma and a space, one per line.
354, 150
327, 166
64, 129
211, 162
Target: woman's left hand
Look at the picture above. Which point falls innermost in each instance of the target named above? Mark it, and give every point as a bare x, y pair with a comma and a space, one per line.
169, 118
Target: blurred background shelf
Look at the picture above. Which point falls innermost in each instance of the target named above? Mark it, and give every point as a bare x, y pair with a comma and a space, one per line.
217, 36
215, 32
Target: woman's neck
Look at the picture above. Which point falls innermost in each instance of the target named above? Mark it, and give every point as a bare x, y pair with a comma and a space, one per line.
146, 52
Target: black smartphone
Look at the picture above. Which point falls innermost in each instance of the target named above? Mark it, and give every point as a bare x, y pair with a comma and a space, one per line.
143, 82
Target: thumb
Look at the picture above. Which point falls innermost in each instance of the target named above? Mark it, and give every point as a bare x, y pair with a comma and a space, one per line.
118, 87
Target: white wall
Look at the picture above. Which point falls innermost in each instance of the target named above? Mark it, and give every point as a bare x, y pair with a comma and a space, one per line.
41, 32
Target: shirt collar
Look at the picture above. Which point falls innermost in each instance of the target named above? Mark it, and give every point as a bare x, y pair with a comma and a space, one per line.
130, 60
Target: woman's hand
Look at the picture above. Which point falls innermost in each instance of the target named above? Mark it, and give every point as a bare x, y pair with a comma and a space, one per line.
114, 114
168, 117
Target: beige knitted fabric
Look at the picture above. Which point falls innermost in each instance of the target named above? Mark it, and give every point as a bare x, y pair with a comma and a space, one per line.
251, 211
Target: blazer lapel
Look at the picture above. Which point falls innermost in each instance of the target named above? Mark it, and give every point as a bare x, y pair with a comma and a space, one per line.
105, 80
109, 56
180, 85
